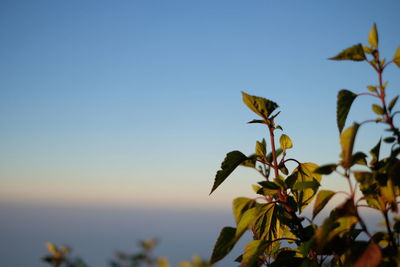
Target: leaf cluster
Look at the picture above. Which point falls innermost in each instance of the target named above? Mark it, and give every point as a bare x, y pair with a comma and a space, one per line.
282, 235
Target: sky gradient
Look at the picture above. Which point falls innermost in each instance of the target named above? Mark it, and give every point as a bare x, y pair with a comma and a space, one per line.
137, 102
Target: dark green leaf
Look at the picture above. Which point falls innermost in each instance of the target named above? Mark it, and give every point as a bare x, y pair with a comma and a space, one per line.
355, 53
375, 153
307, 185
359, 158
231, 161
224, 244
261, 106
321, 200
257, 121
344, 101
326, 169
389, 139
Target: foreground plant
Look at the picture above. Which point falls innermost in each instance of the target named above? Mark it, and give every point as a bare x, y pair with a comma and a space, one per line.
282, 235
60, 257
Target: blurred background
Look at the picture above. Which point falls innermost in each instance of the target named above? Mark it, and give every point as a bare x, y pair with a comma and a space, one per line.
115, 115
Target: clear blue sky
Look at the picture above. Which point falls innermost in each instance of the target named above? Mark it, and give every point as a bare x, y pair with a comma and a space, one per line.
137, 102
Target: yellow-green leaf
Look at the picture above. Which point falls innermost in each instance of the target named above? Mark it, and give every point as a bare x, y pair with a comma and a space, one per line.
52, 248
261, 106
304, 173
321, 200
261, 148
392, 103
347, 139
372, 88
396, 57
373, 36
252, 251
285, 142
378, 109
240, 205
355, 53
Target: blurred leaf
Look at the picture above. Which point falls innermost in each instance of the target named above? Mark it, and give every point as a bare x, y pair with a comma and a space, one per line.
344, 101
355, 53
396, 57
261, 148
224, 244
285, 142
231, 161
240, 206
261, 106
321, 200
326, 169
375, 152
163, 262
373, 36
257, 121
378, 109
372, 88
359, 158
253, 251
52, 248
392, 103
371, 257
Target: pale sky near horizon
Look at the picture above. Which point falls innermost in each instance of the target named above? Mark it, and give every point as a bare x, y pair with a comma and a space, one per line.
137, 102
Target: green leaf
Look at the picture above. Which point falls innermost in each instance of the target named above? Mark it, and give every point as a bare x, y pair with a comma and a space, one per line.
250, 161
224, 244
347, 139
285, 142
355, 53
373, 36
261, 106
240, 205
372, 256
326, 169
367, 49
307, 185
252, 252
344, 101
396, 57
231, 161
321, 200
392, 103
378, 109
269, 188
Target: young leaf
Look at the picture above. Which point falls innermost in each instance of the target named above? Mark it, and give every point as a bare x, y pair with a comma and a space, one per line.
372, 88
231, 161
285, 142
355, 53
373, 36
392, 103
261, 148
378, 109
375, 152
347, 139
396, 57
224, 244
344, 100
261, 106
321, 200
